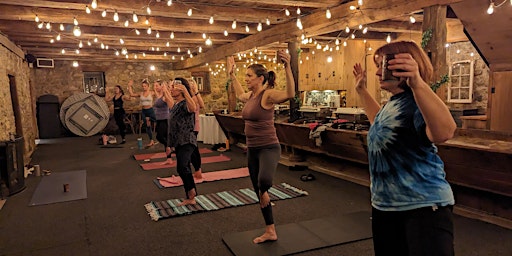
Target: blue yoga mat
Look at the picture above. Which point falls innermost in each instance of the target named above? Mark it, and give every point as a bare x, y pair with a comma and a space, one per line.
51, 188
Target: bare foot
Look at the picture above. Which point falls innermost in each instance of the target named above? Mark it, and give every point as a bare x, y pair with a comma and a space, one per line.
187, 202
150, 144
166, 162
267, 236
264, 200
198, 175
191, 198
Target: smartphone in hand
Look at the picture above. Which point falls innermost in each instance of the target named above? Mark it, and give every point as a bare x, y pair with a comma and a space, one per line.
387, 74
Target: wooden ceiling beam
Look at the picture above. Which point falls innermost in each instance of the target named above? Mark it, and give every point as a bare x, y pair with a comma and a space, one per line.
316, 24
177, 10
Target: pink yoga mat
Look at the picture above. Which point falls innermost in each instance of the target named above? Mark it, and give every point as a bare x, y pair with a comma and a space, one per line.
175, 181
204, 160
163, 155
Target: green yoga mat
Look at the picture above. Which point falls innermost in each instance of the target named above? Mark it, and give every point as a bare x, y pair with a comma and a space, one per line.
304, 236
158, 210
51, 188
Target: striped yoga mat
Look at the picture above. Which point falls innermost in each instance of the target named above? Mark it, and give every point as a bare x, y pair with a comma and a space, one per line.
175, 181
158, 210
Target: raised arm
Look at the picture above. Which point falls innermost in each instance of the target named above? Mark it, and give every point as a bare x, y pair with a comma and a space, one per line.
437, 116
167, 94
239, 90
196, 95
277, 96
130, 89
191, 104
370, 105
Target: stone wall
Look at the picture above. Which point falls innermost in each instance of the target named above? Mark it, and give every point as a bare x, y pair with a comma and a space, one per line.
15, 66
462, 51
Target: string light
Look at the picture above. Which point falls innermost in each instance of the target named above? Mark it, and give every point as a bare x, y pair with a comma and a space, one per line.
61, 27
388, 38
268, 21
247, 28
189, 12
233, 25
48, 26
87, 10
298, 10
116, 16
260, 27
36, 18
328, 14
137, 32
299, 23
148, 10
94, 4
149, 30
347, 29
286, 12
490, 10
412, 19
172, 35
58, 37
211, 20
40, 25
76, 31
225, 33
135, 18
104, 13
80, 45
75, 21
208, 41
169, 2
126, 23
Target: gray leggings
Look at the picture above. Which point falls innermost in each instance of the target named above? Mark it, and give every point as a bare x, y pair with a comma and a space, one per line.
262, 162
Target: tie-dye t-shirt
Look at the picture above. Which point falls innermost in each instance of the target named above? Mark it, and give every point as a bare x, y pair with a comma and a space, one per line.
405, 171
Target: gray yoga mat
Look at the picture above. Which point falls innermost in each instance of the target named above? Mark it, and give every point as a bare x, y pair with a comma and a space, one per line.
51, 188
304, 236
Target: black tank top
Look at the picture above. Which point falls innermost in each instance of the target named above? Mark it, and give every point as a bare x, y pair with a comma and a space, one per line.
118, 103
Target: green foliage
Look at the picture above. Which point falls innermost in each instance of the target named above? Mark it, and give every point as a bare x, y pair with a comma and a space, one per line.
444, 79
425, 37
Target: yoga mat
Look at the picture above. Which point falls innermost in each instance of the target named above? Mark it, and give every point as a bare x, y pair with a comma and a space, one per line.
163, 155
175, 181
158, 210
51, 188
204, 160
303, 236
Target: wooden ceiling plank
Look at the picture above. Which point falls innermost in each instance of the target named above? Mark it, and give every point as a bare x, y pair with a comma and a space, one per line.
316, 24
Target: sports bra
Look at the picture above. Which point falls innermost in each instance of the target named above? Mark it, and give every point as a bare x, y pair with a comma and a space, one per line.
146, 101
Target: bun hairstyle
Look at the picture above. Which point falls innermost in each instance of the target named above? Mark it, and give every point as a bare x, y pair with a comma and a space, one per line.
185, 83
120, 89
260, 70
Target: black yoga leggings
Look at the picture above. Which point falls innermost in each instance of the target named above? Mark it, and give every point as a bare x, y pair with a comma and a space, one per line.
262, 162
119, 117
196, 157
183, 154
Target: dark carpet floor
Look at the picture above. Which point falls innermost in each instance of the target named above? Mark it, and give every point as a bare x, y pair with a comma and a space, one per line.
113, 221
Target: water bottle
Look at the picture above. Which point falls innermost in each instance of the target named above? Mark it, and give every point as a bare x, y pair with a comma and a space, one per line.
139, 143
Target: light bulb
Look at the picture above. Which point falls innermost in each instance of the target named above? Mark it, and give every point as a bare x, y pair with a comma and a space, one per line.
328, 14
48, 26
80, 44
412, 19
75, 21
211, 20
148, 10
121, 41
286, 12
172, 35
36, 18
233, 25
149, 31
298, 11
157, 34
490, 10
388, 38
104, 13
268, 22
189, 12
116, 16
225, 33
135, 18
58, 37
126, 23
94, 4
137, 32
299, 23
61, 27
169, 2
259, 28
40, 25
76, 31
347, 29
87, 10
247, 28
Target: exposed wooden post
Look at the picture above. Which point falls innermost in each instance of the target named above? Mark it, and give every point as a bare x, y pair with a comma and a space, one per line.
434, 17
293, 49
231, 94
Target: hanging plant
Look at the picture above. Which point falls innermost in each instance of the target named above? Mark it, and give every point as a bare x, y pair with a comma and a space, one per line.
444, 79
425, 37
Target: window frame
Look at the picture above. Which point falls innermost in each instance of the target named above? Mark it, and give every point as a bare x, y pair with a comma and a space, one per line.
459, 80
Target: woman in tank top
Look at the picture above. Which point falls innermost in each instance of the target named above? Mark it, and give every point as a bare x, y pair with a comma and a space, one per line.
119, 112
263, 148
148, 113
161, 107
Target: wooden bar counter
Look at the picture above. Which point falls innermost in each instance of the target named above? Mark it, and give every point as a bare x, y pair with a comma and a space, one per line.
478, 164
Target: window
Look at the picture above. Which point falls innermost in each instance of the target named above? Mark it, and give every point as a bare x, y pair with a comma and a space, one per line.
460, 89
94, 82
202, 80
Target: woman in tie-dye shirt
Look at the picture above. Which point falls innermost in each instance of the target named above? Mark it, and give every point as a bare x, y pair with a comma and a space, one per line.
411, 199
